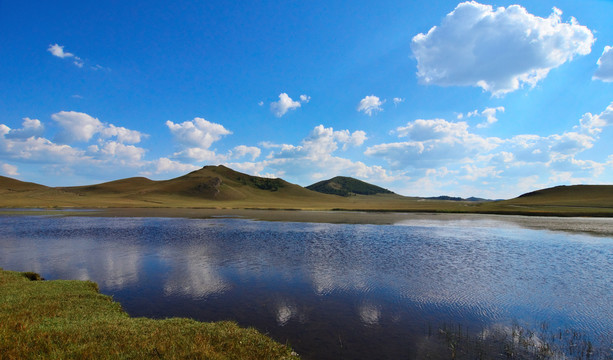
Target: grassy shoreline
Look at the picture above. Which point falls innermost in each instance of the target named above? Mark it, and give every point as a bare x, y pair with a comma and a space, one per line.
71, 319
590, 225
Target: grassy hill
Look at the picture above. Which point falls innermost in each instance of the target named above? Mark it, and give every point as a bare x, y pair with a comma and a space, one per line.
8, 185
209, 187
347, 186
219, 187
590, 200
575, 195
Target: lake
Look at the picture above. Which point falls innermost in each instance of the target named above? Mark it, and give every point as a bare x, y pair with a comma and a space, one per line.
333, 290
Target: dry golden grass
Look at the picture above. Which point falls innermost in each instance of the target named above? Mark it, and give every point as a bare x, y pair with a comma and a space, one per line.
218, 187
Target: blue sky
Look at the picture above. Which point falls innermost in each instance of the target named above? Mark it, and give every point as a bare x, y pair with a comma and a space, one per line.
424, 98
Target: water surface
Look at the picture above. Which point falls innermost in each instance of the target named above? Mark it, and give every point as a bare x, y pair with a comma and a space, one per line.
329, 290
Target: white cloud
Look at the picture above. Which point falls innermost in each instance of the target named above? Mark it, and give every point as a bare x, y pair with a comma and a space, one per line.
197, 133
165, 165
421, 130
356, 138
498, 50
58, 50
605, 65
575, 167
9, 170
103, 159
98, 67
284, 104
398, 100
78, 62
432, 143
370, 104
82, 127
76, 126
315, 158
492, 165
490, 116
305, 98
38, 150
123, 135
473, 172
118, 152
570, 143
243, 150
488, 113
268, 145
30, 127
593, 124
200, 155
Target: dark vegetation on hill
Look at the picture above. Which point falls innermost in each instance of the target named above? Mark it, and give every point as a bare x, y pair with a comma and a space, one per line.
455, 198
347, 186
210, 182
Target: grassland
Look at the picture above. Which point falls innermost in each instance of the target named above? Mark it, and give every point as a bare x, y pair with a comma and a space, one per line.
70, 319
218, 187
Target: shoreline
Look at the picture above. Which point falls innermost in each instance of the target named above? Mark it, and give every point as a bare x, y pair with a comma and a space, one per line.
601, 226
72, 319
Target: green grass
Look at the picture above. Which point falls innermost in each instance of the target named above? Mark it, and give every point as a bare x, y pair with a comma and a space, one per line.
63, 319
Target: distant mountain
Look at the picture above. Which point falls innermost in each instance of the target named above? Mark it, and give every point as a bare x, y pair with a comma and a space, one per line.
346, 186
455, 198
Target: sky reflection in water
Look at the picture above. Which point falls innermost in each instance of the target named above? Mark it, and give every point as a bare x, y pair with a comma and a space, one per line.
329, 290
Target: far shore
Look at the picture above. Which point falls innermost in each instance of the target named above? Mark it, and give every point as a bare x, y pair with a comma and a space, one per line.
591, 225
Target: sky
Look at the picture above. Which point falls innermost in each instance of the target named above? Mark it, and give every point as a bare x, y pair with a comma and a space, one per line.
425, 98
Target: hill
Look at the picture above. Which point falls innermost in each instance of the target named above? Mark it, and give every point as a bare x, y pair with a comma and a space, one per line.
573, 195
206, 187
456, 198
219, 187
347, 186
8, 184
573, 200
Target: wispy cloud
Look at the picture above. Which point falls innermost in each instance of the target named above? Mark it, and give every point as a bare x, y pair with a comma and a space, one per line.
58, 51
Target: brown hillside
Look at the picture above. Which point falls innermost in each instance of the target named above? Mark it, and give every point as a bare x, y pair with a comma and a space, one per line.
211, 183
13, 185
575, 195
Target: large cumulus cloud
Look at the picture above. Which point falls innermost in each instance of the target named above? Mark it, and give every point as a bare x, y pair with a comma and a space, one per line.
498, 49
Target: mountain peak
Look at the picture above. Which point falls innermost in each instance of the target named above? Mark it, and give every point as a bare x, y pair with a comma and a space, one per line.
346, 186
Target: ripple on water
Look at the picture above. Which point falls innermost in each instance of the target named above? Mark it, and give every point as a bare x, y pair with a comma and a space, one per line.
310, 283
